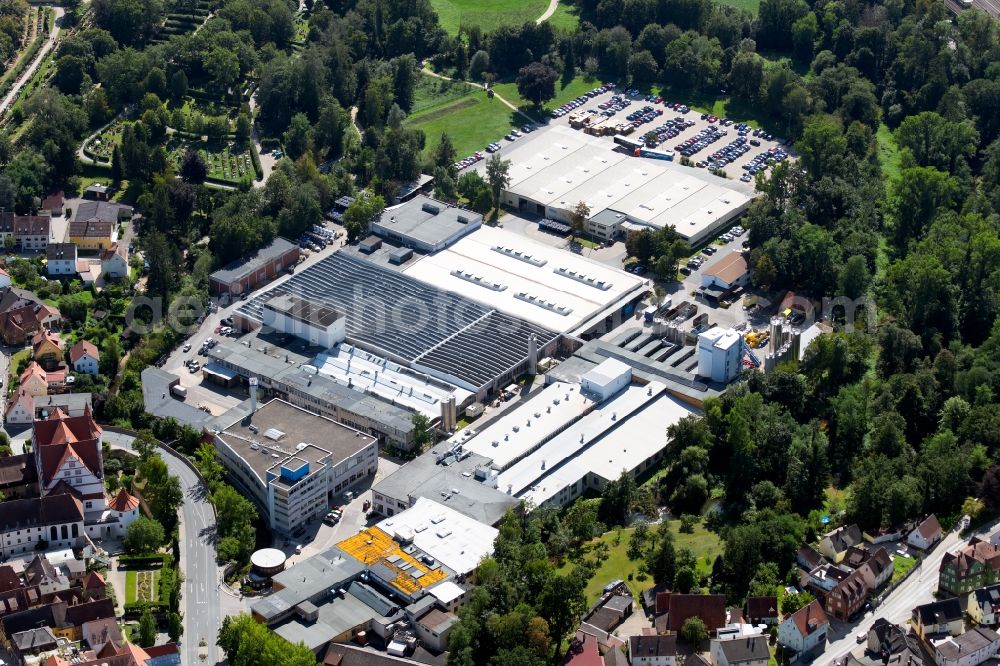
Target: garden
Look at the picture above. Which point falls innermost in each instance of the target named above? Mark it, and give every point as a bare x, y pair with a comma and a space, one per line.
142, 586
226, 162
102, 146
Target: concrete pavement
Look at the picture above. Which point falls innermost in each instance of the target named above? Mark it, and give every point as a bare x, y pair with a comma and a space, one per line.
200, 601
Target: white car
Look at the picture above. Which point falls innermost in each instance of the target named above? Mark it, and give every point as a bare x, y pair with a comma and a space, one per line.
186, 348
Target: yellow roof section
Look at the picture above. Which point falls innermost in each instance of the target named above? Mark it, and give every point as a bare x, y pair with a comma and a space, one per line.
373, 546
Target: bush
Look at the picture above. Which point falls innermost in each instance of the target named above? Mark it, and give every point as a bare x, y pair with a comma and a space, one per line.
688, 523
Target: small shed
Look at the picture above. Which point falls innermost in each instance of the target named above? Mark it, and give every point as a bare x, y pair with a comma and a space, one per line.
400, 255
370, 244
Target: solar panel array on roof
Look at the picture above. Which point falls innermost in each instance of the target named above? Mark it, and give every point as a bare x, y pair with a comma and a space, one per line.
398, 316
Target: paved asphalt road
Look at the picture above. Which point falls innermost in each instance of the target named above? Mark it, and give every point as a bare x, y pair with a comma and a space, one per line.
39, 58
916, 590
202, 613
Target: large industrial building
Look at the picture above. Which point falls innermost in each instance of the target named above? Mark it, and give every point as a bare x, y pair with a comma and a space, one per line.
568, 438
550, 287
554, 171
292, 462
425, 224
463, 342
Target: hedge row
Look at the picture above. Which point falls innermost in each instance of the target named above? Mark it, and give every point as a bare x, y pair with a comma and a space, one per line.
145, 561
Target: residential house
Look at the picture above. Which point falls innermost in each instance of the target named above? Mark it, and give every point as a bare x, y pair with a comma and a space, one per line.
762, 610
46, 350
809, 558
805, 630
22, 315
742, 651
97, 633
34, 381
65, 620
56, 520
938, 617
835, 543
85, 358
114, 261
984, 606
970, 649
825, 577
583, 651
855, 557
877, 569
44, 575
61, 258
92, 234
975, 565
652, 650
710, 608
18, 476
927, 534
21, 410
848, 596
33, 642
883, 535
885, 638
94, 587
909, 657
30, 232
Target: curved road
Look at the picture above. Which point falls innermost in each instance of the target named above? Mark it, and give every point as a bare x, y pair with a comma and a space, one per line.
36, 63
550, 10
200, 598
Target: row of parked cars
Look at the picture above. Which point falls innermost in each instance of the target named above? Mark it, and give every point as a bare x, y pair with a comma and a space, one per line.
696, 262
726, 155
317, 239
761, 162
668, 130
700, 141
582, 99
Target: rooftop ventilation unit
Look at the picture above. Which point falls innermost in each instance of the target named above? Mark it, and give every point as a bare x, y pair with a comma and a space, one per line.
273, 434
430, 208
520, 256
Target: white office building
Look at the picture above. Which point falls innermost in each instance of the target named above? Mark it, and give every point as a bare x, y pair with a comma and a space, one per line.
720, 354
293, 463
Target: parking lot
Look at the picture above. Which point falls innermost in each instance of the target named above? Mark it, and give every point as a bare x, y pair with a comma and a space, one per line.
663, 126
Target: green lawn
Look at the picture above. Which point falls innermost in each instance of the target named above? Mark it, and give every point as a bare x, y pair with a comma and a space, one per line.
471, 120
567, 17
487, 14
752, 6
888, 152
571, 90
141, 586
900, 565
15, 360
432, 91
704, 544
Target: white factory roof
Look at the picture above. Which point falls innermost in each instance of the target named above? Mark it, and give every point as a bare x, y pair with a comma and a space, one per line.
721, 338
561, 167
446, 592
545, 285
375, 375
607, 372
453, 539
532, 471
635, 440
520, 431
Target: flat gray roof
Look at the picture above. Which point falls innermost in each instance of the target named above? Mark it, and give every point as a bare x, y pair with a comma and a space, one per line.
280, 428
425, 477
309, 579
283, 361
242, 267
426, 221
304, 310
158, 400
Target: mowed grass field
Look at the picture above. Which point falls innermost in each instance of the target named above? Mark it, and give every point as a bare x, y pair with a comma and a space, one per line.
471, 120
487, 14
752, 6
704, 544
